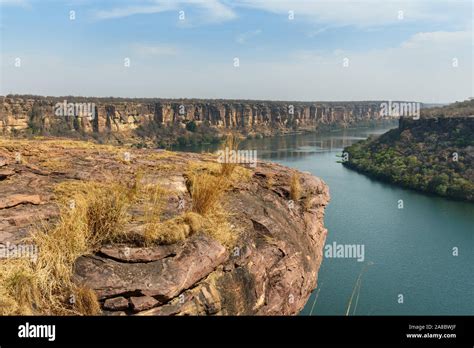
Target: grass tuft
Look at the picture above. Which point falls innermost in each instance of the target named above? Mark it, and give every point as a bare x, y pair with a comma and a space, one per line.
85, 301
206, 192
230, 144
295, 187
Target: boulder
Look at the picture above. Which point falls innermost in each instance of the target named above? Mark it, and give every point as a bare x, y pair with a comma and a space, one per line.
162, 279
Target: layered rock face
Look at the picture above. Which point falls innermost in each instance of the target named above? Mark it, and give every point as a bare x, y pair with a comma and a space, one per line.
271, 270
122, 115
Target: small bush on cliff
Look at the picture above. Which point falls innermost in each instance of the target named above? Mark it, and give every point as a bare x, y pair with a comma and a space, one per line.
174, 230
191, 126
85, 301
35, 119
105, 208
207, 187
206, 192
295, 187
231, 144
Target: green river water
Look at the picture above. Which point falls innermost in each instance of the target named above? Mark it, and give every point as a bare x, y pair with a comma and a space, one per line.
407, 252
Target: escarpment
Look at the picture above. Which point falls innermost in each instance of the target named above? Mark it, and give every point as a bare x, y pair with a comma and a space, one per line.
127, 116
255, 252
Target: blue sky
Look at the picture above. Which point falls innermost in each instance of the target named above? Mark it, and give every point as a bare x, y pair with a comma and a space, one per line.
287, 50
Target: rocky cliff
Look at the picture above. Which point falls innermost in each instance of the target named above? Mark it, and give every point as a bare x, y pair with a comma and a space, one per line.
270, 268
19, 113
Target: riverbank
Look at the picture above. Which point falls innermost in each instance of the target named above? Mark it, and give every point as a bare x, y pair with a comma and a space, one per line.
413, 249
431, 155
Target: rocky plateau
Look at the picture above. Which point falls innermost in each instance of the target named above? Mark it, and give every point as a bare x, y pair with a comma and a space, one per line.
271, 270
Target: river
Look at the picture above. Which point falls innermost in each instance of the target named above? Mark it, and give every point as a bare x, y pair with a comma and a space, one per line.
418, 259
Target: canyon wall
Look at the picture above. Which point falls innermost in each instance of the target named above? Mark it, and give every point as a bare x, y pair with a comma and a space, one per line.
19, 113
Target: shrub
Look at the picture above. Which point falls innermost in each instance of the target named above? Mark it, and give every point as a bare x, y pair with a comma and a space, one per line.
231, 144
206, 192
191, 126
295, 187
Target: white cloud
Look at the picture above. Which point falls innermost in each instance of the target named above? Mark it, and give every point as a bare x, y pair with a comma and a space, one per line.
154, 50
438, 38
214, 9
211, 10
364, 13
120, 12
244, 37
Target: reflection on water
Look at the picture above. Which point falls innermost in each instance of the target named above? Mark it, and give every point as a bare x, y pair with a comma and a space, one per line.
299, 146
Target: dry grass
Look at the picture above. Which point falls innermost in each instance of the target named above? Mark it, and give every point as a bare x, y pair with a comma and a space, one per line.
55, 164
239, 173
45, 286
295, 187
217, 226
85, 301
174, 230
206, 192
98, 216
159, 155
231, 144
181, 227
270, 181
207, 213
153, 201
100, 209
308, 202
18, 288
51, 143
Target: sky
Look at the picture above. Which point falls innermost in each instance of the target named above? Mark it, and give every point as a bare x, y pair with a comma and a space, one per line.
294, 50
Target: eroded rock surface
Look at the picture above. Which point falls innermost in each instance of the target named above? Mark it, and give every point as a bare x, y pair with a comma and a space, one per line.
271, 270
162, 279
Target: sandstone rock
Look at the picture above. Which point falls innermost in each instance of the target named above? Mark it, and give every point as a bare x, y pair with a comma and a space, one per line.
116, 303
5, 173
17, 199
277, 253
211, 299
257, 116
114, 313
162, 279
142, 303
131, 254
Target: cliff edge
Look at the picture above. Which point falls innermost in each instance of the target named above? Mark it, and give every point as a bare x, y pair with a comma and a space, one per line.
129, 232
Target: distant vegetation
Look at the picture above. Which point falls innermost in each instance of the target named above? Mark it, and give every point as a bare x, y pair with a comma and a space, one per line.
166, 136
426, 155
464, 108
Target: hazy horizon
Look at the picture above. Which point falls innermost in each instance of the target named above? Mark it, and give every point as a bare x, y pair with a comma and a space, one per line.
228, 99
